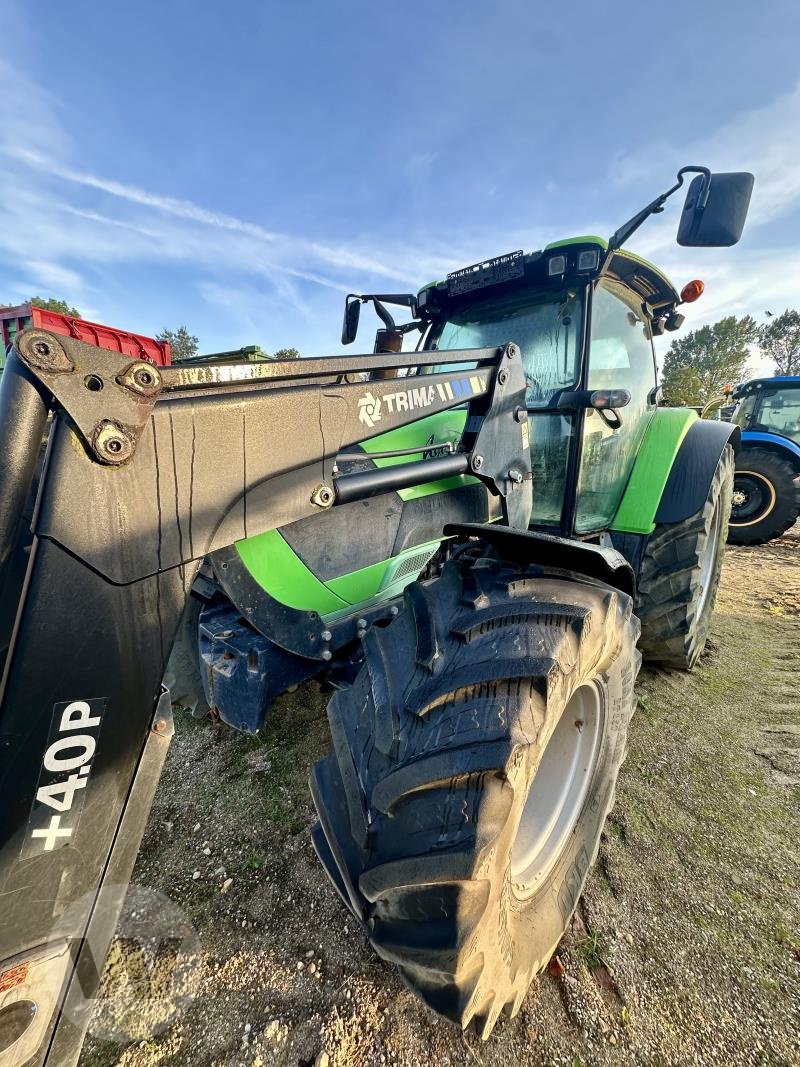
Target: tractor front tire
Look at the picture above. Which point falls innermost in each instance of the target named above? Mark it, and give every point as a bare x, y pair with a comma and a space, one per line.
766, 497
474, 762
679, 577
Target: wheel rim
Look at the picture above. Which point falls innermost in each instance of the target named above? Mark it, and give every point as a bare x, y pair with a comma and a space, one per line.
753, 498
559, 790
709, 566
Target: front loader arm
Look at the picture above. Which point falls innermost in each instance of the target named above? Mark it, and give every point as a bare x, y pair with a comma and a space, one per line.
147, 471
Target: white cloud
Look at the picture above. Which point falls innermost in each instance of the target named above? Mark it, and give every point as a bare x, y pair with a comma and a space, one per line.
53, 276
186, 210
753, 276
763, 140
62, 226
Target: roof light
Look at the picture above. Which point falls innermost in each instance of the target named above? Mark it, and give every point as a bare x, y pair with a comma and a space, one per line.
557, 265
589, 259
692, 291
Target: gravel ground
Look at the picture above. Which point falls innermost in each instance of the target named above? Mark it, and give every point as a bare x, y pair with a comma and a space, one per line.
685, 948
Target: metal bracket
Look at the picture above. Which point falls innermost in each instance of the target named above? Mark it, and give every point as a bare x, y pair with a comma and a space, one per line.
500, 453
108, 396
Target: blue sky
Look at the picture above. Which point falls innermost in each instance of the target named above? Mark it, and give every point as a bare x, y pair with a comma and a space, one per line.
240, 167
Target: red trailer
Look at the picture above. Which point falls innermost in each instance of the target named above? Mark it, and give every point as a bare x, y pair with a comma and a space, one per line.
14, 319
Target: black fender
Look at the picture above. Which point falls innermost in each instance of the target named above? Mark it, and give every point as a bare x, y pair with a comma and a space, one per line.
605, 564
693, 470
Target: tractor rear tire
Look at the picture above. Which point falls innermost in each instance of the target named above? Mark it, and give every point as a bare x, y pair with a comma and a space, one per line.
474, 762
766, 497
679, 577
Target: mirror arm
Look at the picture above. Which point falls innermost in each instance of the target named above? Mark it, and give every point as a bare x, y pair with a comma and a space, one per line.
701, 203
632, 225
407, 300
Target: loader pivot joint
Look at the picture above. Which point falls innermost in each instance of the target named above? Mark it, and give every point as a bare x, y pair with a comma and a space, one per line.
108, 396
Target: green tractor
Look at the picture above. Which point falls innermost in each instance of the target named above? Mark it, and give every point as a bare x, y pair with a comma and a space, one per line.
473, 543
483, 698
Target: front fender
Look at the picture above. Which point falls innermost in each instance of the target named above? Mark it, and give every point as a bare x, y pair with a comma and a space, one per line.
782, 445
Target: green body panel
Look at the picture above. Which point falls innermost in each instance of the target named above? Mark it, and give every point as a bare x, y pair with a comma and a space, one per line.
385, 579
637, 510
280, 571
362, 584
589, 239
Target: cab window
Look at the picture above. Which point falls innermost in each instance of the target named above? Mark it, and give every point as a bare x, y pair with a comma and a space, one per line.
620, 357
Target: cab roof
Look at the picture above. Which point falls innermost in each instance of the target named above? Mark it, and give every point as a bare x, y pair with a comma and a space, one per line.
644, 278
762, 383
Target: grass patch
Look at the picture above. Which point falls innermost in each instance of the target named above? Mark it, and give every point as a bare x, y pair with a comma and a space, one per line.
593, 950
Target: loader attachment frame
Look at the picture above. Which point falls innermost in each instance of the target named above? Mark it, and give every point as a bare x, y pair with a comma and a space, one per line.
146, 471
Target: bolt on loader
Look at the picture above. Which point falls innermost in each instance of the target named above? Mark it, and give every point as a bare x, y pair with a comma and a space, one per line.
473, 543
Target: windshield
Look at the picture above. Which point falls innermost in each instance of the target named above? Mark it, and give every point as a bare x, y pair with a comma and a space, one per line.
779, 412
547, 328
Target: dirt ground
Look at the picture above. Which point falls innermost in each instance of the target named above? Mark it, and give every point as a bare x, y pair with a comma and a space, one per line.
685, 948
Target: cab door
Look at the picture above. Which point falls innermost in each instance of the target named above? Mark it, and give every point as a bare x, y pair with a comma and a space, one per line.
620, 357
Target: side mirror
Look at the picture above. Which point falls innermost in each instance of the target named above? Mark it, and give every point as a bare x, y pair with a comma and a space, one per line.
352, 313
715, 209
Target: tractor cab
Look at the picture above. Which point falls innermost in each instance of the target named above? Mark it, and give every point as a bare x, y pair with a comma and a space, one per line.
769, 405
766, 489
584, 318
583, 312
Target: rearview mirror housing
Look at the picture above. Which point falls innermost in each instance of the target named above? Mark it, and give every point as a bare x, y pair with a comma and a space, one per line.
352, 313
715, 210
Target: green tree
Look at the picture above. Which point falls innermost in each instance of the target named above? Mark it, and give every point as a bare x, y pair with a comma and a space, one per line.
780, 340
184, 345
61, 307
697, 366
286, 353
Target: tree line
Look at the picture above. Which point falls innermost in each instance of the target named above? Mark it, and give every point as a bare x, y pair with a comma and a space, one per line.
698, 366
184, 345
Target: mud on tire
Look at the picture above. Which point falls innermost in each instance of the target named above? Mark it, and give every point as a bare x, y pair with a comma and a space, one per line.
679, 577
436, 749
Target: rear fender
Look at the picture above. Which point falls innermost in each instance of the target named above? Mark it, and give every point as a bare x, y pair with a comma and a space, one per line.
673, 470
692, 472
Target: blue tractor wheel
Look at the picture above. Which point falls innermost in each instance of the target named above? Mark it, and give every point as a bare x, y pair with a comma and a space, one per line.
766, 497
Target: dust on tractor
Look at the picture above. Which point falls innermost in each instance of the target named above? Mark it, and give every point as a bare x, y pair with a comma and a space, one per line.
474, 543
766, 487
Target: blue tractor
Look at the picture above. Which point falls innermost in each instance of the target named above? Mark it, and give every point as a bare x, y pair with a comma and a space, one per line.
766, 491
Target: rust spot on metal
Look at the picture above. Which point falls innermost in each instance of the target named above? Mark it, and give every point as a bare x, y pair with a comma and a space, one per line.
14, 976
